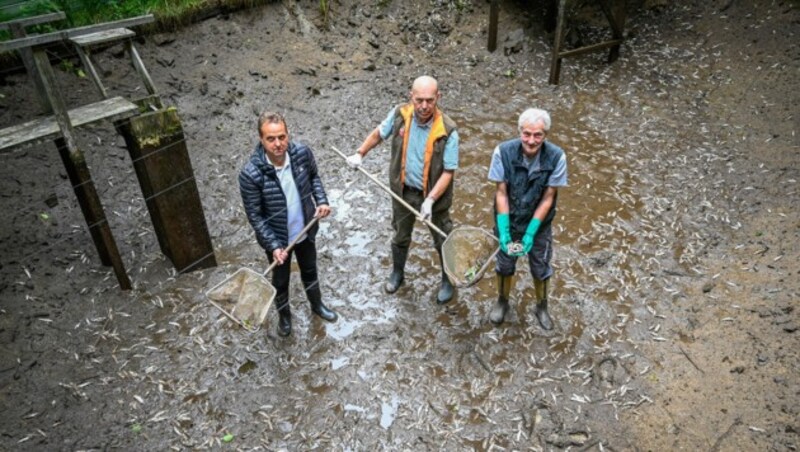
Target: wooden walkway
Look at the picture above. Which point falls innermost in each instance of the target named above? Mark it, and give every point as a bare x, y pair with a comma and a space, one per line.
175, 208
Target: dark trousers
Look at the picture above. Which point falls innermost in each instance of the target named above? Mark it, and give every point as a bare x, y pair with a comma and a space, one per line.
538, 258
306, 253
403, 220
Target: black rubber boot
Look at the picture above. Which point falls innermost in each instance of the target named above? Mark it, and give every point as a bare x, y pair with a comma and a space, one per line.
284, 316
399, 256
446, 289
318, 307
499, 310
541, 304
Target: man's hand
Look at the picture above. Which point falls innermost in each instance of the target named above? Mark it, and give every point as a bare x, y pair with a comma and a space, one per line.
355, 160
323, 210
530, 234
504, 230
427, 208
280, 256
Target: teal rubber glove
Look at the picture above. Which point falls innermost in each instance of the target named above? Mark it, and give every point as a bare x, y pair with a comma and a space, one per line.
504, 230
530, 233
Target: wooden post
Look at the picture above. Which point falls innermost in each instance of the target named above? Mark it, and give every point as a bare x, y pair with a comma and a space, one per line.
615, 11
78, 172
555, 62
494, 12
18, 31
160, 157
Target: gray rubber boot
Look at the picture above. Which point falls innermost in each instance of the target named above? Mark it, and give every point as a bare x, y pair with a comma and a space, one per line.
399, 256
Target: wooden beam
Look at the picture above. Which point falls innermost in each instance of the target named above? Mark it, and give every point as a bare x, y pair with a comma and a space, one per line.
139, 65
47, 38
590, 48
86, 60
35, 20
494, 13
160, 157
78, 172
18, 31
558, 42
615, 11
40, 129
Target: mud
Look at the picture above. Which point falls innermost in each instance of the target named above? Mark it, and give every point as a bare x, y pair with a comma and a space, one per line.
676, 244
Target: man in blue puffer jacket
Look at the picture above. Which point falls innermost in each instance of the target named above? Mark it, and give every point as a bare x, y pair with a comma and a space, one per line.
282, 192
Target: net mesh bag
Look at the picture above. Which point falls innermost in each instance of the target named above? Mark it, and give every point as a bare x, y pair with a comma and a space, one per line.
467, 253
248, 296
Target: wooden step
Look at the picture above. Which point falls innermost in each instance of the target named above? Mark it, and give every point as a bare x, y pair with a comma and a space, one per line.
45, 128
102, 36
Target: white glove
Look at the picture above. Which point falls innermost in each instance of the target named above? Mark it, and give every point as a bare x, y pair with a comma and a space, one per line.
427, 208
354, 160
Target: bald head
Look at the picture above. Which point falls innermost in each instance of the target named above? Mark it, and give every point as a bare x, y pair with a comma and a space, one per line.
425, 83
424, 96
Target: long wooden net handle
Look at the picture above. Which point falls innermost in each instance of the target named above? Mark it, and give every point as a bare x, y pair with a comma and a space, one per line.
396, 197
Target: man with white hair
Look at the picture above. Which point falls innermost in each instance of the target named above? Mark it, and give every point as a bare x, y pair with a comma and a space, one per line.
423, 159
528, 171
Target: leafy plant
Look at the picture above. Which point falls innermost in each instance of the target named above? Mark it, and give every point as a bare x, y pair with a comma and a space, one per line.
324, 9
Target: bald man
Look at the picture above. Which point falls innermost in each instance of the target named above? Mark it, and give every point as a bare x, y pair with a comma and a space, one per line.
423, 159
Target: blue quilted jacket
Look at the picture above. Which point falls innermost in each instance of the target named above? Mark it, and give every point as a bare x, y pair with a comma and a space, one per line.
264, 201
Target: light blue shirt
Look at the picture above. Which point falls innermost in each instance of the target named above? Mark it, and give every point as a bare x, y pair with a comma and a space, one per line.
415, 153
294, 208
558, 178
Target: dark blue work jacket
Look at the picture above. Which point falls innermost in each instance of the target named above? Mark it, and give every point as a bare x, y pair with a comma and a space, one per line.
264, 200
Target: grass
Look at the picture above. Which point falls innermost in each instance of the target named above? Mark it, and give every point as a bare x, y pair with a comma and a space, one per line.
169, 14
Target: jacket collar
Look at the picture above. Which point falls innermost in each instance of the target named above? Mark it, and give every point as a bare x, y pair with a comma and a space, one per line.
259, 158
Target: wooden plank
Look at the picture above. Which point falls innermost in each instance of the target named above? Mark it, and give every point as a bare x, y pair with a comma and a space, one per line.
494, 12
47, 38
555, 61
101, 37
35, 20
113, 109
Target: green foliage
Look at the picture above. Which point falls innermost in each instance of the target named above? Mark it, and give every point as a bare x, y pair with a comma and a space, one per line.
324, 9
87, 12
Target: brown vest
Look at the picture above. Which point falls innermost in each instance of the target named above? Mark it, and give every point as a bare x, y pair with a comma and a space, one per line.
433, 167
